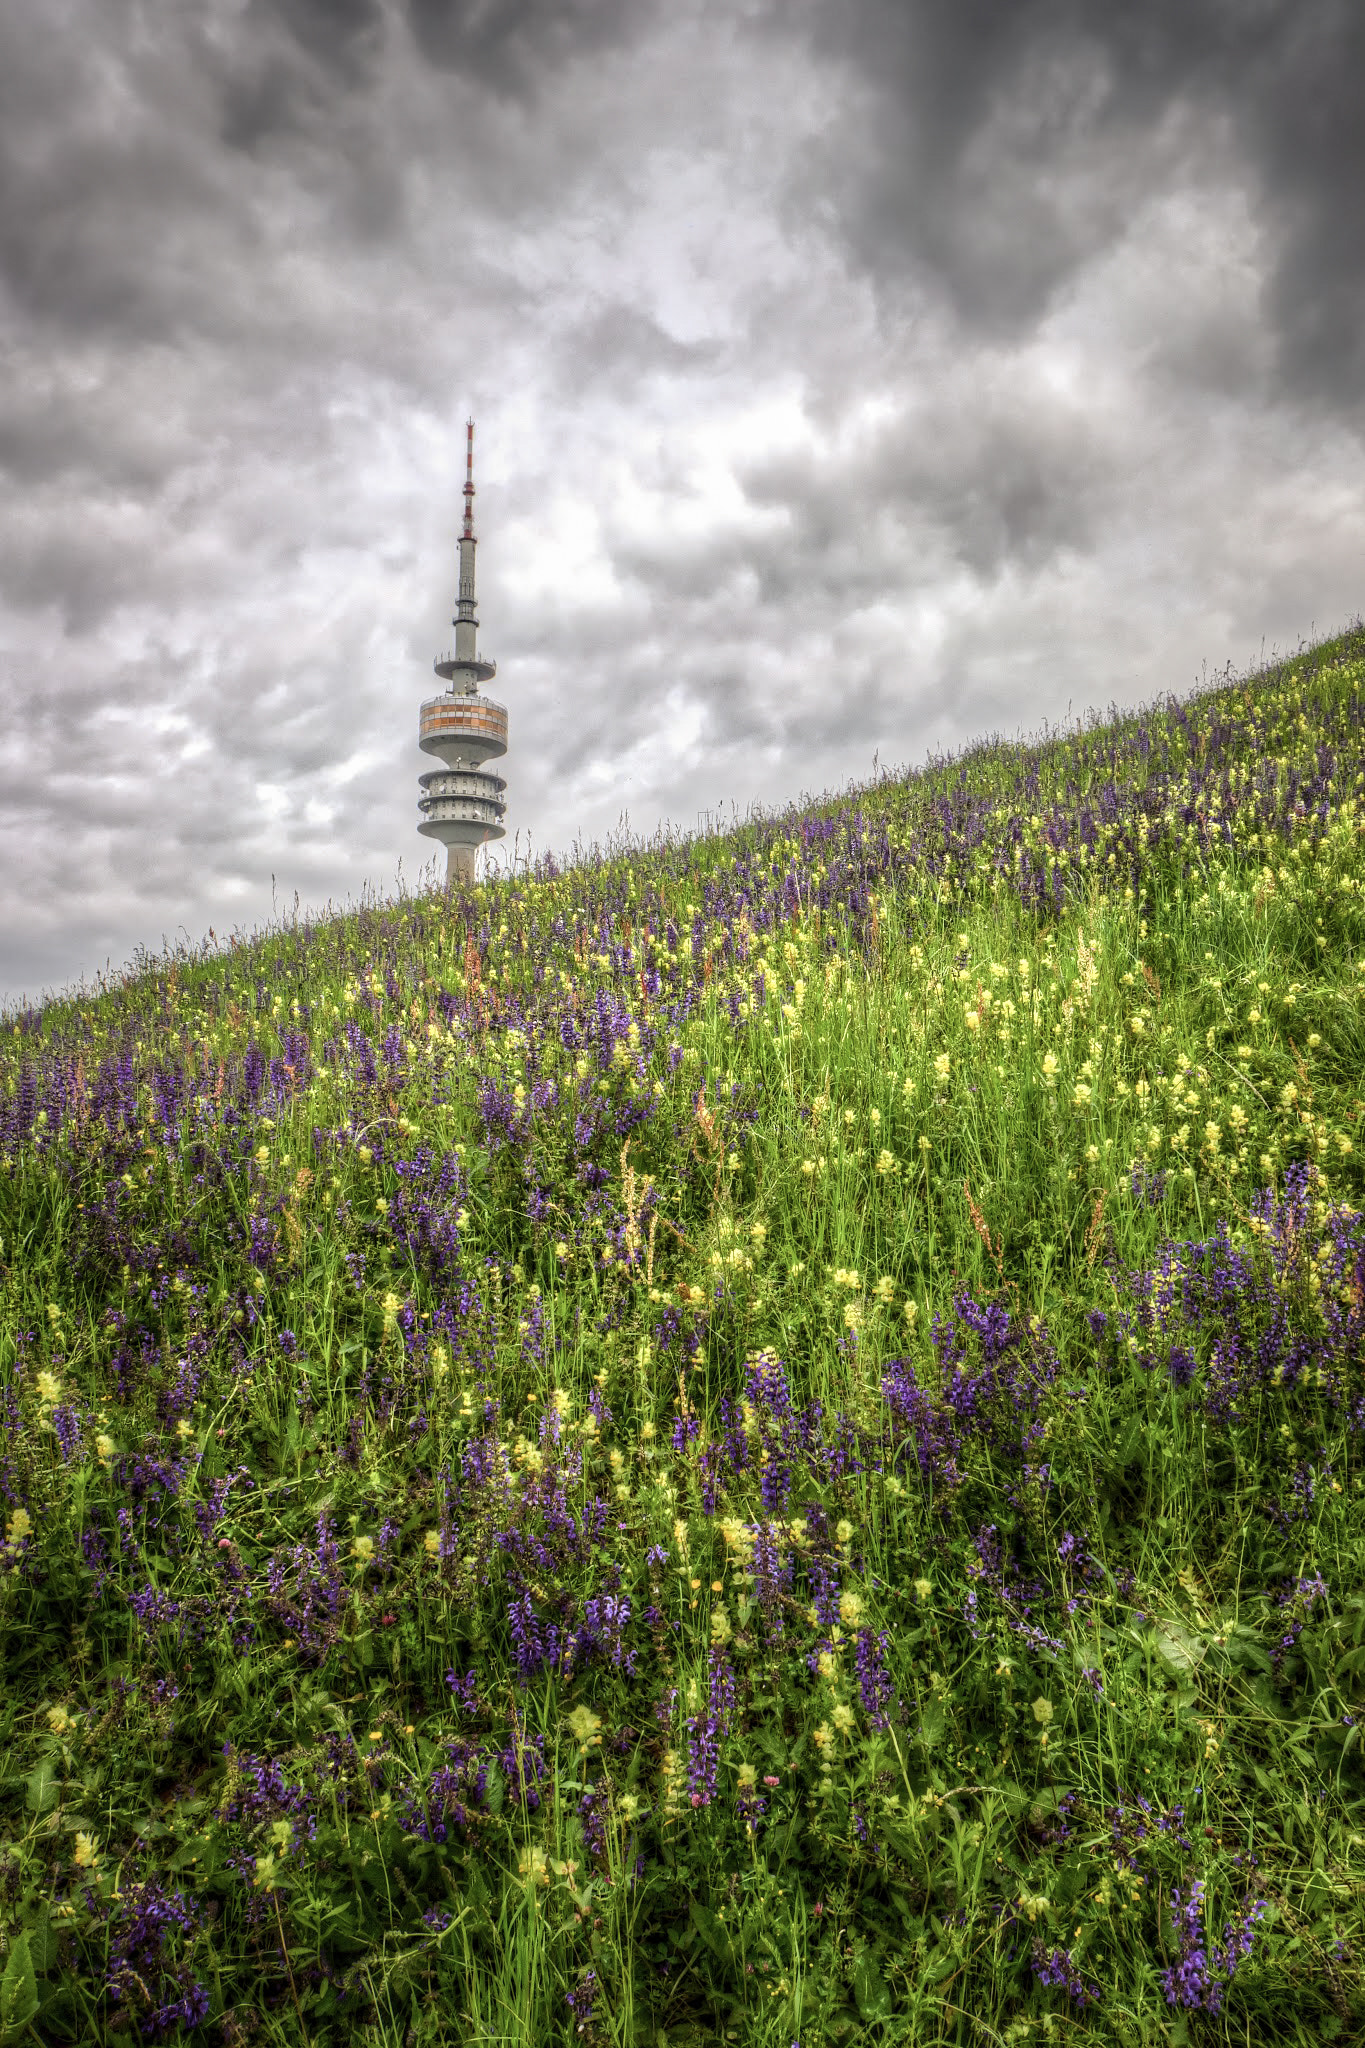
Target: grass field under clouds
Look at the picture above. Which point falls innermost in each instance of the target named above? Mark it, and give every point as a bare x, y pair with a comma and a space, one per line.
760, 1440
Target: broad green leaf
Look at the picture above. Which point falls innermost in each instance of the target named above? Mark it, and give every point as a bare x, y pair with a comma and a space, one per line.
870, 1988
42, 1791
1179, 1651
18, 1990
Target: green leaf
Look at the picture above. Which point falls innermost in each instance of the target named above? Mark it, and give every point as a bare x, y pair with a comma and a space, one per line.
18, 1990
870, 1988
1178, 1650
42, 1791
711, 1931
1131, 1442
1246, 1652
933, 1723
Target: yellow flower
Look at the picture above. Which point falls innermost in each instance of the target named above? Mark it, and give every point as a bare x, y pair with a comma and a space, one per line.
842, 1717
58, 1720
87, 1850
843, 1532
850, 1609
885, 1288
19, 1526
822, 1736
431, 1543
1042, 1711
49, 1387
105, 1446
922, 1589
362, 1550
1049, 1067
584, 1725
943, 1066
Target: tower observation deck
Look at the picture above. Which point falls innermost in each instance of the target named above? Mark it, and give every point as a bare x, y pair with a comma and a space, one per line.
462, 803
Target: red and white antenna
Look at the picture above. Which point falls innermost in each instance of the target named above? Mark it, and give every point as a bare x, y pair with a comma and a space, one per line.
468, 533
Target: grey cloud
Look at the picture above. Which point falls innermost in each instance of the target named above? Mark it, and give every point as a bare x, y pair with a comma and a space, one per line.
515, 45
1011, 139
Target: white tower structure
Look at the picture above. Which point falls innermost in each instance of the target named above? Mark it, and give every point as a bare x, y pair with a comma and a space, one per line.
462, 803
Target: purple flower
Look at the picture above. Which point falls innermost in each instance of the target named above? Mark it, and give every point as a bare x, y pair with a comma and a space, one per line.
705, 1731
874, 1681
141, 1972
1054, 1968
580, 2000
1200, 1974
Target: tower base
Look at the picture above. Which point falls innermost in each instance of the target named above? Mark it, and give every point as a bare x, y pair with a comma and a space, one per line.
460, 866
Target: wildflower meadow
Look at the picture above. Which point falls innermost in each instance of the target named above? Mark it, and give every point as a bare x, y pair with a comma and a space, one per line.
755, 1439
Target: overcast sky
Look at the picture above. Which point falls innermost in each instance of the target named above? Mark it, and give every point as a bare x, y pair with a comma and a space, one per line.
852, 377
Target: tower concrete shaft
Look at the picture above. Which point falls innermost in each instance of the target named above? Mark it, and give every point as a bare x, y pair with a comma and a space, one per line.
462, 804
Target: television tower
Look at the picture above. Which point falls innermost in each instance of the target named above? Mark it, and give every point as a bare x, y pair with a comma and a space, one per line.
461, 804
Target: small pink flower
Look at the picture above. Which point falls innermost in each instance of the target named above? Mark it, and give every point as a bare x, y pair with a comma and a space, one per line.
225, 1543
696, 1799
770, 1782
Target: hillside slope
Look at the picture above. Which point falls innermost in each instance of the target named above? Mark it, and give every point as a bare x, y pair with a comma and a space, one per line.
758, 1440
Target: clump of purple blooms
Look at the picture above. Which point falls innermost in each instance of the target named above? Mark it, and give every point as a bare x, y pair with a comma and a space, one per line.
1202, 1970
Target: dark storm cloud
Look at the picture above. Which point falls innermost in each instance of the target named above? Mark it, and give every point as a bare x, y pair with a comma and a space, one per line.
512, 44
1012, 137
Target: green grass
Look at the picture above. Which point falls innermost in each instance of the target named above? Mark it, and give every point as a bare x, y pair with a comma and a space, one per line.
475, 1299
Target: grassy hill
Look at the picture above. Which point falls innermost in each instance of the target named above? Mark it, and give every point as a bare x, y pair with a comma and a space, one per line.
760, 1441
